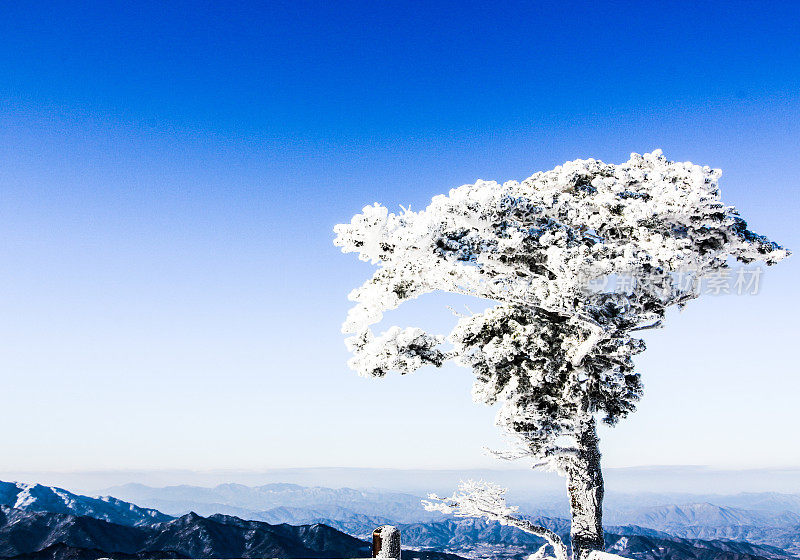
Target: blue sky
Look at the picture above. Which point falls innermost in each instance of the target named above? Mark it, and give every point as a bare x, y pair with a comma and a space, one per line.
170, 177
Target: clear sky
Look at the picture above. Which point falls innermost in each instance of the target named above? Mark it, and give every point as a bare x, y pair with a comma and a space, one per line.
170, 174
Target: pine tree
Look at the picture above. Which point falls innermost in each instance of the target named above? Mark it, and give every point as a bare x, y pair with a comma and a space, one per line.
577, 259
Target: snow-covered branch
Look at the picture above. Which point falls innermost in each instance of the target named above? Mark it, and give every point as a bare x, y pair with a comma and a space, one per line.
401, 350
487, 500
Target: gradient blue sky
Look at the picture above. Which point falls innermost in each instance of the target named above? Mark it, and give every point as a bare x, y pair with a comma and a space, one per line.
170, 174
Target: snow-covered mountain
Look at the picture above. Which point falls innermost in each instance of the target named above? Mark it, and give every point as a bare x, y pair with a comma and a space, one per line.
35, 497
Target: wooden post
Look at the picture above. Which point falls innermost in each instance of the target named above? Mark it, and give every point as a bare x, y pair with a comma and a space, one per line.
386, 542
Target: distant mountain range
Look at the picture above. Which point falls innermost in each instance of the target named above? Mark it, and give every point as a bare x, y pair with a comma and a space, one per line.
706, 514
773, 502
51, 523
278, 502
777, 527
768, 519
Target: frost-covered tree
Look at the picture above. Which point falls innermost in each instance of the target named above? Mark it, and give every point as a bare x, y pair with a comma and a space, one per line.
556, 351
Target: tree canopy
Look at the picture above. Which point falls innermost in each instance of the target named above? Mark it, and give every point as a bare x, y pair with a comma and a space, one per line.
556, 349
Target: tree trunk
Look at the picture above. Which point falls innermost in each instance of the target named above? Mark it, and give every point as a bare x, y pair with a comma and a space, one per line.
585, 487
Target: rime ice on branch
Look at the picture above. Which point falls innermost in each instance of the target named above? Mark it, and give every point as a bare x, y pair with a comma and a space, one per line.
487, 500
554, 352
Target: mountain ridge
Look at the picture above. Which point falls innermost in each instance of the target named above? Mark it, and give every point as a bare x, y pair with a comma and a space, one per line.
36, 497
57, 536
730, 529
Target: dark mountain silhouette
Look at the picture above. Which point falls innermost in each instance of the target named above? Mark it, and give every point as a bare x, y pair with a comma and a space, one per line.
58, 536
190, 536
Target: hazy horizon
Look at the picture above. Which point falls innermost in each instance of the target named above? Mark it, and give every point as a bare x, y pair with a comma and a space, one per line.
685, 479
